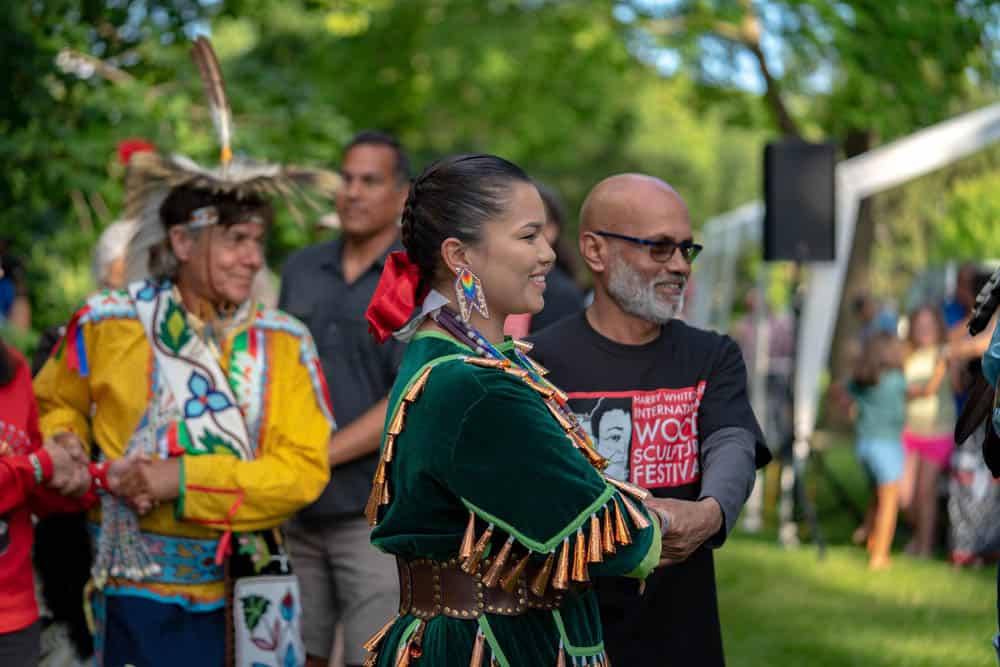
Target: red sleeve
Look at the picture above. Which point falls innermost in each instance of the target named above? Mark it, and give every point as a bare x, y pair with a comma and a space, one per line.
44, 501
17, 480
34, 432
41, 499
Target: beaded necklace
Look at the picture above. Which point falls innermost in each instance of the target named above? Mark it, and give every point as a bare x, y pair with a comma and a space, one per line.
531, 373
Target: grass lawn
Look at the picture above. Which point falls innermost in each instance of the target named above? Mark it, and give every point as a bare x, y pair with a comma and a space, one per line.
785, 607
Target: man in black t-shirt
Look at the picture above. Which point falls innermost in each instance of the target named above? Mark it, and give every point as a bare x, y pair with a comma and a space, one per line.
667, 404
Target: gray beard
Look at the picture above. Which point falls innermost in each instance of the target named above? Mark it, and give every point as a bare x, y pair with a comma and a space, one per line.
638, 297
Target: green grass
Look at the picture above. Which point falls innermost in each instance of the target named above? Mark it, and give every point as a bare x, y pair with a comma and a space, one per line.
785, 607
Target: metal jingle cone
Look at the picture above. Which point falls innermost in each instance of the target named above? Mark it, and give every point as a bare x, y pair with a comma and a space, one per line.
418, 386
541, 580
389, 449
371, 507
469, 540
622, 535
403, 656
608, 531
560, 580
580, 558
634, 513
396, 425
471, 565
376, 639
478, 650
595, 554
595, 459
379, 473
561, 659
633, 490
492, 576
508, 582
564, 422
487, 363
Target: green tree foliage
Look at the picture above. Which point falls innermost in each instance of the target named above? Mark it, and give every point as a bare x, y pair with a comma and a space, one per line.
554, 86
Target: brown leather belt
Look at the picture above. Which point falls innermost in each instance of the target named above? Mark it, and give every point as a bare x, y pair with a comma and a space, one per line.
429, 588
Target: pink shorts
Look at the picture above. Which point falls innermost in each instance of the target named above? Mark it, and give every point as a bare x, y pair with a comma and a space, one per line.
935, 448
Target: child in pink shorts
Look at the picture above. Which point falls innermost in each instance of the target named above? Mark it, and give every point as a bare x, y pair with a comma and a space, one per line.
927, 434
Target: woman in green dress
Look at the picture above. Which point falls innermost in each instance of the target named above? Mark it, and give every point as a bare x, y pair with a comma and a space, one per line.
488, 491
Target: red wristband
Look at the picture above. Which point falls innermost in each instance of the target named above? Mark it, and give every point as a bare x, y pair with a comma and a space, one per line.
46, 460
99, 476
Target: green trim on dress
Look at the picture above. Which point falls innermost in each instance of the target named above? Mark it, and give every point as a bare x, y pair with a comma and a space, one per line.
575, 651
652, 557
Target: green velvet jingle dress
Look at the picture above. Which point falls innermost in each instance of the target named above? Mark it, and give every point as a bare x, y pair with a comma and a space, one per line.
472, 453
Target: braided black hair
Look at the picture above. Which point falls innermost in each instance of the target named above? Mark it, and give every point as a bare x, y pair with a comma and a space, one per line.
454, 198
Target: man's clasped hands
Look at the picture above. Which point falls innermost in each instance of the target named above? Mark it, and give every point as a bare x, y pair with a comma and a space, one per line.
141, 481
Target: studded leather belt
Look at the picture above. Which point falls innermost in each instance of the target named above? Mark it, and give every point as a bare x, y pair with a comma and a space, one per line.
429, 588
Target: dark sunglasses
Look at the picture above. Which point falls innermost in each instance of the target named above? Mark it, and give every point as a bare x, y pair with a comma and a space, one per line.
661, 251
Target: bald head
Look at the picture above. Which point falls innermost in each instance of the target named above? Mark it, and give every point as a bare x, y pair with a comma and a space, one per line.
620, 204
628, 225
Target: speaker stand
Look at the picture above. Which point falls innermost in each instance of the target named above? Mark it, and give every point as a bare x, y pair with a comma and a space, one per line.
793, 487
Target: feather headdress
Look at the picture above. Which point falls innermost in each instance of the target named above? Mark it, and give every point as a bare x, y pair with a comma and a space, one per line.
151, 176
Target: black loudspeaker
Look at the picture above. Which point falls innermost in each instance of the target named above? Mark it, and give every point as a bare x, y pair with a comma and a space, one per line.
799, 201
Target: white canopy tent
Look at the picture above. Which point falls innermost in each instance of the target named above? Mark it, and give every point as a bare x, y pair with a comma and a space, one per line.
870, 173
862, 176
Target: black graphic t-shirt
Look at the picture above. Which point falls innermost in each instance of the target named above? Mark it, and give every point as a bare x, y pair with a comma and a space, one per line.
648, 408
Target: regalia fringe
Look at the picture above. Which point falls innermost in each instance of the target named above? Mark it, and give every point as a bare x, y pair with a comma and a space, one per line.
469, 540
638, 518
508, 582
375, 641
595, 554
607, 531
560, 580
580, 558
621, 530
541, 580
379, 496
492, 576
598, 536
471, 564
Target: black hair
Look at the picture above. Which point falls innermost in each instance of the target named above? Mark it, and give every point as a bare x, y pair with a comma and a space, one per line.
454, 197
185, 200
8, 365
379, 138
555, 212
606, 405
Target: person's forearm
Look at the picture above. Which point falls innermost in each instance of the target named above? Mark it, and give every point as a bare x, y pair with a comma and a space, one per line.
728, 474
359, 438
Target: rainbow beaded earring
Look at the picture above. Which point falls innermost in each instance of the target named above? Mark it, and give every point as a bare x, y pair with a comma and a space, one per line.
469, 294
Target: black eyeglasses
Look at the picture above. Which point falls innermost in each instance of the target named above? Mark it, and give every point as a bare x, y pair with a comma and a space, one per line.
662, 250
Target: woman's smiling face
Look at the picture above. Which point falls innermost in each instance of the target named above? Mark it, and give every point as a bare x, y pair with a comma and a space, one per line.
512, 257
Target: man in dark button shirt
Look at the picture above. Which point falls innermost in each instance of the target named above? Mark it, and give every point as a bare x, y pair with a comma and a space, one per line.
328, 287
667, 405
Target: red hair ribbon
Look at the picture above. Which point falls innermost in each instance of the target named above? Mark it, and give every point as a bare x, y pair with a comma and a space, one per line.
395, 297
128, 147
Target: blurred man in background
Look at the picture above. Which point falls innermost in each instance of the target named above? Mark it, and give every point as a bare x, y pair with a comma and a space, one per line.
328, 286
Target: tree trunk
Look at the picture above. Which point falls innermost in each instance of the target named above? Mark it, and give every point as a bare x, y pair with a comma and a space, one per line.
856, 281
